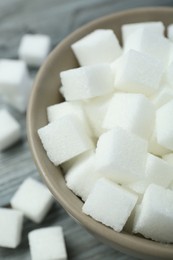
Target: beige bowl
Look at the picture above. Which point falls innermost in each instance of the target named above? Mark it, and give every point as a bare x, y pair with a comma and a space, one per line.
45, 93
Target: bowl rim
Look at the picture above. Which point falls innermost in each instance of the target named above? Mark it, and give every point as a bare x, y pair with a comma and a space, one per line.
123, 240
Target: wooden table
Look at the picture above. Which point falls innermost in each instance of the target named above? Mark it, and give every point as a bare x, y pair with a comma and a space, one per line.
57, 18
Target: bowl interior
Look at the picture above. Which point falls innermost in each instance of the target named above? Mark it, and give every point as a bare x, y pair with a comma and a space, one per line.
45, 93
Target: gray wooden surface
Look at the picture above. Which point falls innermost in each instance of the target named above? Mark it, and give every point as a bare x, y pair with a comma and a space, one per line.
57, 18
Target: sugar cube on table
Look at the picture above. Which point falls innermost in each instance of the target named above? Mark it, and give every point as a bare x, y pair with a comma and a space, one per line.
87, 82
47, 243
100, 46
10, 130
128, 29
34, 48
95, 111
64, 139
155, 218
125, 110
33, 199
11, 225
164, 125
15, 83
168, 158
144, 40
110, 204
81, 177
121, 154
154, 147
75, 108
139, 73
163, 96
158, 171
170, 32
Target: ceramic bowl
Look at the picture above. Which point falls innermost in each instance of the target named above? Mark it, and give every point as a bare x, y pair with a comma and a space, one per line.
45, 93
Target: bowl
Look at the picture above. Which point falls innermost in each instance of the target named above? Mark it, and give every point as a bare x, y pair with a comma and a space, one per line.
45, 93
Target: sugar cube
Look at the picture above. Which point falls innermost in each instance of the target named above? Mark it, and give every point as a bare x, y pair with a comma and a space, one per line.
34, 48
110, 204
47, 243
158, 171
75, 108
164, 126
125, 110
144, 40
154, 147
81, 177
100, 46
163, 96
168, 158
170, 31
121, 154
169, 74
68, 164
11, 224
128, 29
95, 111
33, 199
138, 72
87, 82
15, 83
138, 186
64, 139
155, 218
10, 130
129, 224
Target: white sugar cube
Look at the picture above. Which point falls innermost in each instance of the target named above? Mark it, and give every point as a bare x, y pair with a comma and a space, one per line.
138, 186
125, 111
47, 243
34, 48
168, 158
95, 111
121, 154
169, 75
33, 199
139, 73
81, 177
170, 31
110, 204
11, 224
128, 29
10, 130
87, 82
100, 46
129, 224
158, 171
164, 96
155, 218
68, 164
144, 40
15, 83
59, 110
164, 125
64, 139
154, 147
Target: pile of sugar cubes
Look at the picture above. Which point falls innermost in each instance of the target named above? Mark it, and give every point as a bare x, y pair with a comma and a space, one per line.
32, 199
113, 134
